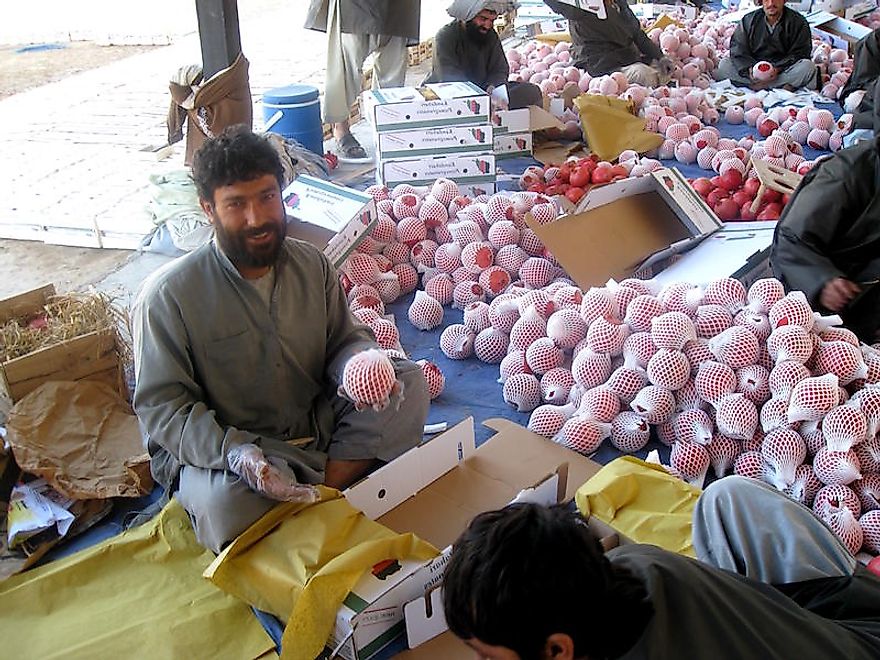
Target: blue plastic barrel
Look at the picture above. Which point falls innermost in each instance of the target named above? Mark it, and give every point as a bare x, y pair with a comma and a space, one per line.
300, 114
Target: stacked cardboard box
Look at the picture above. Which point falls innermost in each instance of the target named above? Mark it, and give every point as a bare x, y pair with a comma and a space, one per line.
440, 130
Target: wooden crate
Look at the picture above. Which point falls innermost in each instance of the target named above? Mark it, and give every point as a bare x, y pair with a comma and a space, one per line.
422, 51
94, 355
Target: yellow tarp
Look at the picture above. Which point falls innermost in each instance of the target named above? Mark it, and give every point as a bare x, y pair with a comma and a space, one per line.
611, 128
137, 594
642, 501
301, 567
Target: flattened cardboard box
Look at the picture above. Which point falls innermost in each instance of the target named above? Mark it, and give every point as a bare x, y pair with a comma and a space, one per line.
434, 491
623, 227
329, 216
436, 104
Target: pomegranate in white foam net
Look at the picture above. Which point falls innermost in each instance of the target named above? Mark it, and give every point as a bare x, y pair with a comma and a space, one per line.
736, 416
433, 377
599, 403
722, 453
368, 379
672, 330
736, 347
844, 427
522, 391
425, 313
654, 404
629, 432
556, 385
689, 460
783, 450
714, 380
582, 435
457, 342
813, 398
836, 467
668, 369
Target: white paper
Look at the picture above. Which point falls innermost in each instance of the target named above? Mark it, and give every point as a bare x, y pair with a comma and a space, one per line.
35, 507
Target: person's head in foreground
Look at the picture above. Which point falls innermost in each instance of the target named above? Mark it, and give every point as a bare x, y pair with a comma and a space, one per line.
238, 175
532, 582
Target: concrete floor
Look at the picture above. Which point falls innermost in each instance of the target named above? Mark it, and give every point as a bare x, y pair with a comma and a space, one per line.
75, 147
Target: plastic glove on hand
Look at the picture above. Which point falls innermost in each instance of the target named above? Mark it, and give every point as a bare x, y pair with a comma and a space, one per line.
369, 381
262, 476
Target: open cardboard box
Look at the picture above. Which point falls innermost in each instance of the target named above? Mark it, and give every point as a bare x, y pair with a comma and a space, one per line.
621, 228
837, 31
434, 491
740, 250
332, 217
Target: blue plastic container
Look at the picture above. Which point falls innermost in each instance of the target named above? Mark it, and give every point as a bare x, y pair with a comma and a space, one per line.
300, 117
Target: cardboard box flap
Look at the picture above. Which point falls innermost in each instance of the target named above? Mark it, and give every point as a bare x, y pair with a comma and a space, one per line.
541, 451
424, 616
392, 484
722, 254
611, 240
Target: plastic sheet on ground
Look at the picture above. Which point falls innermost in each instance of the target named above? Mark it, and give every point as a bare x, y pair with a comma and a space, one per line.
138, 593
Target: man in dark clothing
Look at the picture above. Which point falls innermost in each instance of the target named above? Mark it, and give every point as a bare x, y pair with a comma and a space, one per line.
773, 582
774, 34
614, 43
827, 241
866, 70
468, 49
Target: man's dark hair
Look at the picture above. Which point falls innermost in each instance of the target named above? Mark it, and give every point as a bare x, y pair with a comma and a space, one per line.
237, 154
524, 572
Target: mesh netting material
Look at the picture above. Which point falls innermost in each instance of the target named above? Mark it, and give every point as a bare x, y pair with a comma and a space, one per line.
790, 342
457, 342
590, 369
736, 417
547, 420
668, 369
722, 453
736, 347
433, 376
476, 316
638, 349
690, 460
466, 293
793, 309
600, 404
606, 335
626, 383
582, 435
711, 320
543, 355
654, 404
753, 382
749, 464
784, 376
440, 288
783, 450
693, 426
629, 432
836, 467
490, 345
522, 391
528, 329
425, 313
672, 330
844, 427
714, 380
566, 328
556, 385
368, 377
813, 398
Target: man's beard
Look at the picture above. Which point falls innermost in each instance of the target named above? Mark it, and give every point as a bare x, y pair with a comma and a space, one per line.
476, 33
237, 250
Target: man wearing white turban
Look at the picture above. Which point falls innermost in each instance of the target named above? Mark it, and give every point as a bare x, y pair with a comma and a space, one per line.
468, 49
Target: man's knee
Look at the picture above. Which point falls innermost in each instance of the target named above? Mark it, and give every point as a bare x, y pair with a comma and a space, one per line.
219, 504
800, 74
